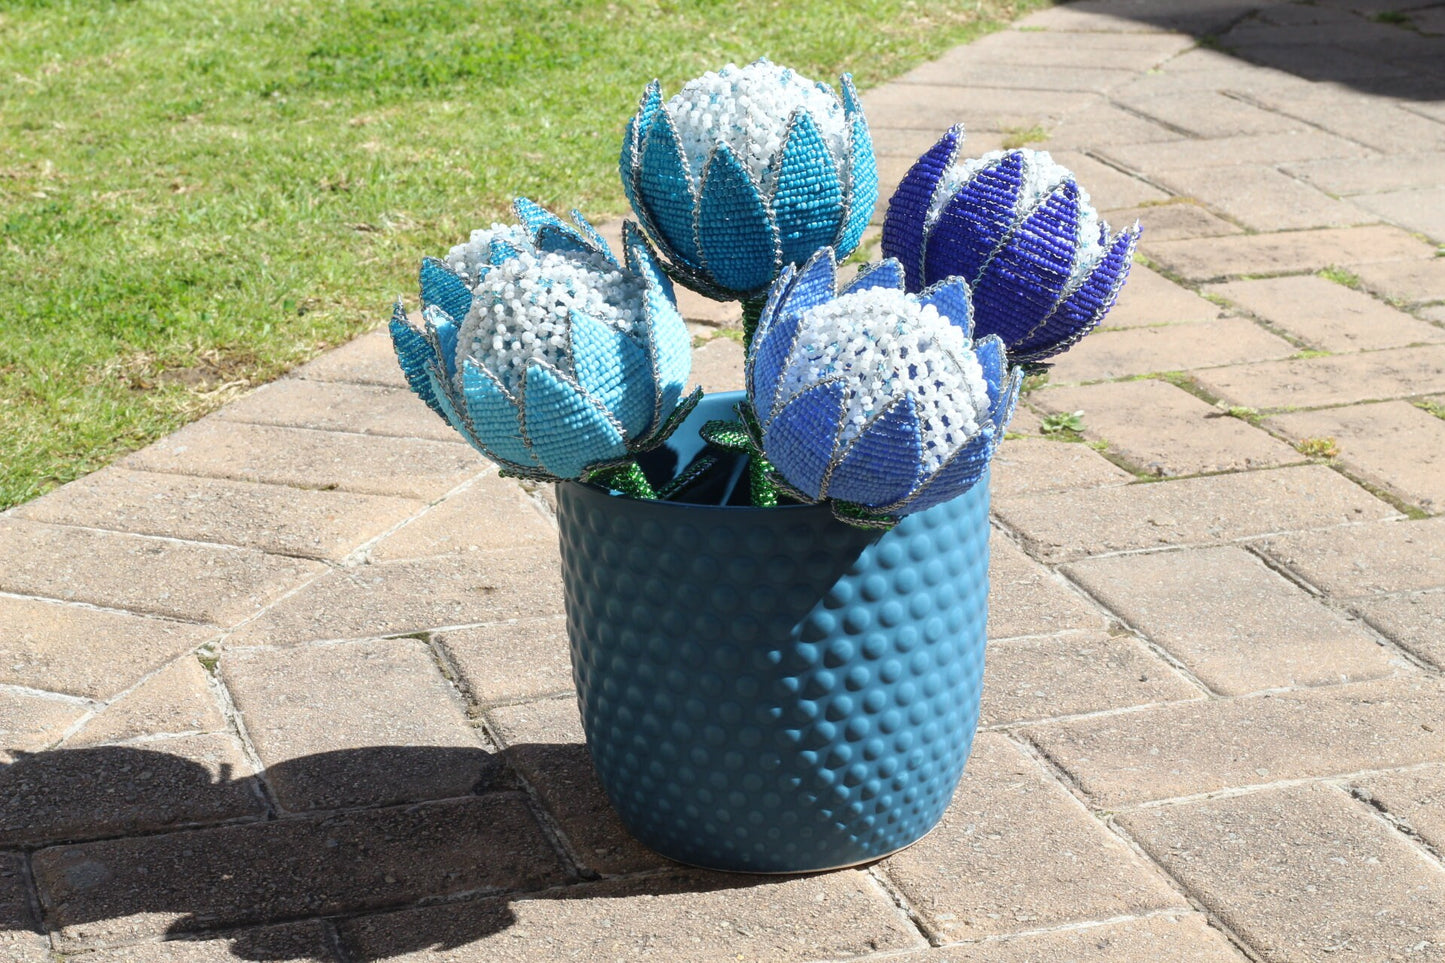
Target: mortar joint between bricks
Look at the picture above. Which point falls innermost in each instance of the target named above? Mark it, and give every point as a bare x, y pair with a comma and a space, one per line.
1396, 824
236, 724
883, 881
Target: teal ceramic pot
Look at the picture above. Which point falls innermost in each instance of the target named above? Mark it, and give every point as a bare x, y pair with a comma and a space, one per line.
770, 690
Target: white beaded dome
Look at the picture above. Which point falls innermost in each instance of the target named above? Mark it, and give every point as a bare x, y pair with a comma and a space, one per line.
522, 309
748, 109
886, 344
471, 258
1041, 175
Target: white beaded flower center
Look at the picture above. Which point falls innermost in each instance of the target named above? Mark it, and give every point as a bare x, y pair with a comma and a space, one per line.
522, 309
1041, 175
748, 109
472, 258
885, 345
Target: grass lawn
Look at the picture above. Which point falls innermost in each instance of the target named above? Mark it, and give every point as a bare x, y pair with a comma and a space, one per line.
195, 196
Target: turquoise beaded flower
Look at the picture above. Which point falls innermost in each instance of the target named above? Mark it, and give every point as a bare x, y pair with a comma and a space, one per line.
873, 397
746, 170
548, 356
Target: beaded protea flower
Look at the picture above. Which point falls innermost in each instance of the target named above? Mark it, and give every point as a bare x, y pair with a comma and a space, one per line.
745, 170
874, 397
547, 355
1041, 263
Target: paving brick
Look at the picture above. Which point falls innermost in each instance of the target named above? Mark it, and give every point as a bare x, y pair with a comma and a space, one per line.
899, 140
177, 699
1418, 210
1164, 430
1109, 188
21, 938
1031, 679
1434, 312
1103, 123
367, 360
1149, 298
1260, 197
1186, 748
1027, 599
292, 941
409, 467
1270, 149
1416, 797
1191, 511
391, 598
718, 365
1287, 252
545, 742
1207, 113
1015, 852
1343, 175
1133, 52
335, 406
272, 518
510, 661
1301, 873
491, 513
1377, 122
1237, 625
1174, 347
969, 72
354, 724
72, 794
1408, 281
84, 651
1102, 16
984, 109
1165, 938
1027, 465
1390, 556
184, 580
1393, 445
1325, 315
33, 721
126, 889
1180, 219
1333, 380
707, 918
1415, 622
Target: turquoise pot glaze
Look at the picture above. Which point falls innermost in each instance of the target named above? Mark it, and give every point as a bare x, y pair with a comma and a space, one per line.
770, 690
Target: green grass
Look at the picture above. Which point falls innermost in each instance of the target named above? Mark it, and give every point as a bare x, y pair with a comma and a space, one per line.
195, 197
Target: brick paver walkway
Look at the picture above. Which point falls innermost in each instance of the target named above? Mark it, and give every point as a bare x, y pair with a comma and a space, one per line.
292, 683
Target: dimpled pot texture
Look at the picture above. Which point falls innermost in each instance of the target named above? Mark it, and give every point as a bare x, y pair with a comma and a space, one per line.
770, 690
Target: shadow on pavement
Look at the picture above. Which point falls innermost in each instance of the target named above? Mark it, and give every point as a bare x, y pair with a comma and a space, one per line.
1392, 48
112, 867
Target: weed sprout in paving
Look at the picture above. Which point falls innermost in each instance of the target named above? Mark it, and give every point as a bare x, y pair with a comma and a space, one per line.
776, 599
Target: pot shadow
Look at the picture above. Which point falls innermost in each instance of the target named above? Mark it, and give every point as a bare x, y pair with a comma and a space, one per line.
1369, 48
117, 833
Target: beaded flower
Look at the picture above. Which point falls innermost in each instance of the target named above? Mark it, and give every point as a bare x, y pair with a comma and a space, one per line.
745, 170
873, 397
548, 356
1041, 263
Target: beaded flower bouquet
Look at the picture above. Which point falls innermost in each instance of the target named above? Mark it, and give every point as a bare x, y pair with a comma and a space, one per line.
776, 598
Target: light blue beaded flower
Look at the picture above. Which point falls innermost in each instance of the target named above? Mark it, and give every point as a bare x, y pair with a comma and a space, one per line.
873, 397
1041, 264
746, 170
548, 356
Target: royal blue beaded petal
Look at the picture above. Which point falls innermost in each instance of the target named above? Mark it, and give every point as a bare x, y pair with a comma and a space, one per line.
799, 440
808, 194
442, 286
952, 299
567, 430
815, 285
615, 372
908, 207
974, 223
777, 292
769, 357
993, 359
882, 274
737, 237
1080, 312
1022, 284
666, 190
956, 476
884, 463
494, 416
